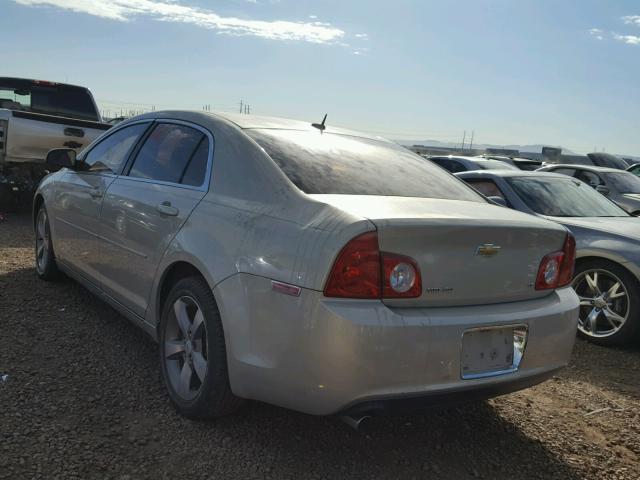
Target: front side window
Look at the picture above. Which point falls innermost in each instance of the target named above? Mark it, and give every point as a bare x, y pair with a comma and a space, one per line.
564, 171
559, 197
109, 155
340, 164
173, 153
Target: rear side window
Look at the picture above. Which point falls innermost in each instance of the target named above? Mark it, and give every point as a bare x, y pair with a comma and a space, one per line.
488, 188
108, 155
452, 166
173, 153
340, 164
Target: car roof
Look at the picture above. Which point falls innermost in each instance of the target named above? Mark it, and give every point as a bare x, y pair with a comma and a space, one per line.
510, 174
593, 168
464, 157
248, 122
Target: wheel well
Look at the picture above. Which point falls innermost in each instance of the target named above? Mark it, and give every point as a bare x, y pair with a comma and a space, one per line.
176, 272
583, 260
36, 206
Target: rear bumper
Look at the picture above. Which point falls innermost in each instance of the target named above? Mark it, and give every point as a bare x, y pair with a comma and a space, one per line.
416, 403
326, 356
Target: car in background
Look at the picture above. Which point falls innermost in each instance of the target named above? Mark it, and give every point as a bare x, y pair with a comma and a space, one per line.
522, 163
601, 159
607, 275
635, 169
455, 163
619, 186
317, 269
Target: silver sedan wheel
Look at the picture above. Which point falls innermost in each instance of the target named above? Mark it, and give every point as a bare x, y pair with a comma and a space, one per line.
604, 303
43, 237
185, 348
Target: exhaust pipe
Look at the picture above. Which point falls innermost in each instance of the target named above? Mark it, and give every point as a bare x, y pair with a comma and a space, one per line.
354, 422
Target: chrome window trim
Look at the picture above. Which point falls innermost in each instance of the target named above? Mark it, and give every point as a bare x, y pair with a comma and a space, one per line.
207, 174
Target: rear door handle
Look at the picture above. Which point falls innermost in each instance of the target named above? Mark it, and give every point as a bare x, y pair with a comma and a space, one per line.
96, 193
165, 208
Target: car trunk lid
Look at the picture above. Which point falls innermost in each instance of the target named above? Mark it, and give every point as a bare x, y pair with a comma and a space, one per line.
469, 253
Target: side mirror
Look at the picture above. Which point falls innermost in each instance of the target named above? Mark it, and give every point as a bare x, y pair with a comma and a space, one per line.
498, 200
62, 157
602, 189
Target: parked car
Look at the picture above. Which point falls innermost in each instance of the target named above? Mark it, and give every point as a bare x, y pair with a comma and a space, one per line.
36, 116
521, 163
608, 160
321, 270
619, 186
607, 240
456, 164
635, 169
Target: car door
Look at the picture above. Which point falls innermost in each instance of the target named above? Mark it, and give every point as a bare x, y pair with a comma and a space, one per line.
79, 196
146, 206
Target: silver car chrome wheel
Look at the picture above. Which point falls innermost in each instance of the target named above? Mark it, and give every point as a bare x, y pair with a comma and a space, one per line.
43, 237
604, 303
185, 348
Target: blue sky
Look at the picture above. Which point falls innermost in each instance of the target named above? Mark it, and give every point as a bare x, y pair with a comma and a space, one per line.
515, 71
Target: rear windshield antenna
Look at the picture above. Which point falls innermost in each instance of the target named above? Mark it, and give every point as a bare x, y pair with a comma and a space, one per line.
320, 126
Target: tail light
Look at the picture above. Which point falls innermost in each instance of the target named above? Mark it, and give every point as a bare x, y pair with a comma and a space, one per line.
362, 271
556, 269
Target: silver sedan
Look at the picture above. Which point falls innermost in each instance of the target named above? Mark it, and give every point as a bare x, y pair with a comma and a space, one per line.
607, 276
310, 267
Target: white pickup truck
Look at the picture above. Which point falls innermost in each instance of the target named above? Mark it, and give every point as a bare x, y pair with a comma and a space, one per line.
36, 116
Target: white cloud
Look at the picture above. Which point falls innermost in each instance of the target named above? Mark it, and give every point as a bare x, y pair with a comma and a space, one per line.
628, 39
632, 20
363, 36
596, 32
171, 11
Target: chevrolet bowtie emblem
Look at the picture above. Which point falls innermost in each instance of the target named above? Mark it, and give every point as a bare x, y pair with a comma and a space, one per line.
488, 250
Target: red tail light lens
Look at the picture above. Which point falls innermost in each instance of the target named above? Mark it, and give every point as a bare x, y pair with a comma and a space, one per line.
568, 262
556, 269
356, 271
361, 271
400, 277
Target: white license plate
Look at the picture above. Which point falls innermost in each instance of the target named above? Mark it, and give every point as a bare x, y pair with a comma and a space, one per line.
487, 351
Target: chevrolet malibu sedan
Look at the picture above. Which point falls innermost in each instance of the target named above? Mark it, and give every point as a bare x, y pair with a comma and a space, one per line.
607, 276
306, 266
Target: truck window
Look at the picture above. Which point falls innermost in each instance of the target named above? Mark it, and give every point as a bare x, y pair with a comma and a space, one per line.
48, 98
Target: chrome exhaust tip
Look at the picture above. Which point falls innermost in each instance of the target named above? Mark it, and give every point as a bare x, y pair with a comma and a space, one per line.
354, 422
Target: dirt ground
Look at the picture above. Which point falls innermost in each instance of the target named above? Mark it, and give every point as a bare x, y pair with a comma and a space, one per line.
83, 399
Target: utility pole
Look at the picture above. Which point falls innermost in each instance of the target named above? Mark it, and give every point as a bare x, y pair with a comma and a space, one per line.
473, 132
240, 106
464, 137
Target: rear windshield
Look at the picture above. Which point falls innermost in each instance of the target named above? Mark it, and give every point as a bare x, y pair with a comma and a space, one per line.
495, 165
623, 182
340, 164
51, 99
561, 197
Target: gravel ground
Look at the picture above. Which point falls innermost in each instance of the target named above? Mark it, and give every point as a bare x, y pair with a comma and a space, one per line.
84, 399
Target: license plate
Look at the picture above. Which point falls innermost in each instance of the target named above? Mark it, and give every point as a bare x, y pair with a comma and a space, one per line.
488, 351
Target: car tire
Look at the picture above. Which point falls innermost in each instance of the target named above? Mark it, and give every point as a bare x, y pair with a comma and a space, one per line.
193, 354
625, 304
46, 267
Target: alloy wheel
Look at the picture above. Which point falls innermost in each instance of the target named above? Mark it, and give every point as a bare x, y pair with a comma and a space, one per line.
185, 348
42, 240
604, 303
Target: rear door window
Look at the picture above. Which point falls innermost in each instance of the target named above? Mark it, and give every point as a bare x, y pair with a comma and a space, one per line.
342, 164
172, 153
488, 188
